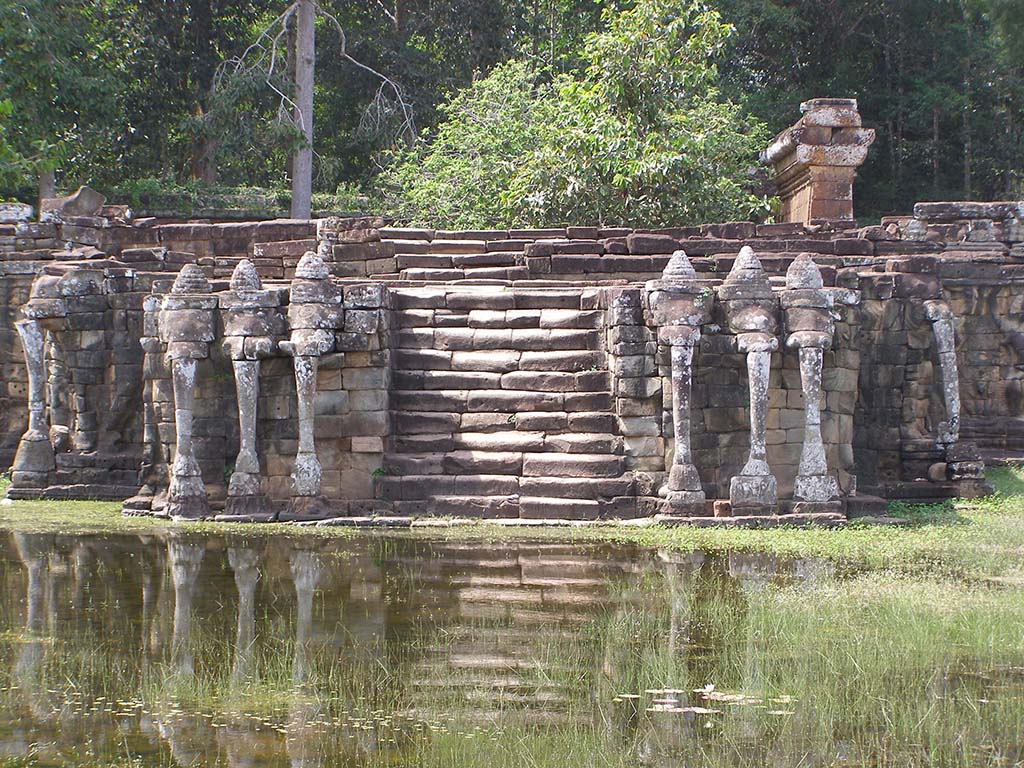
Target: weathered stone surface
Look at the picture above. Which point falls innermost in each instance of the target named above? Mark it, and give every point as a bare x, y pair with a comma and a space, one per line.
545, 364
651, 244
13, 213
84, 202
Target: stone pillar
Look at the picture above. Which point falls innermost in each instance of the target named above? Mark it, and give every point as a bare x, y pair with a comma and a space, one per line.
964, 464
680, 305
941, 317
58, 384
251, 321
186, 327
314, 311
816, 160
751, 308
153, 472
809, 326
34, 461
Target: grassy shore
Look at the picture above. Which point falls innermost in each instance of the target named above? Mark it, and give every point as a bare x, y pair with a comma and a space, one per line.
979, 539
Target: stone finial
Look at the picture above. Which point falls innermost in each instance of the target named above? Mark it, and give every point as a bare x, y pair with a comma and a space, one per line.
803, 274
750, 303
678, 268
747, 279
746, 268
245, 278
190, 280
312, 267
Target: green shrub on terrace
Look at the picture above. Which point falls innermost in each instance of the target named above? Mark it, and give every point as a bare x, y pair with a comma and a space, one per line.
637, 135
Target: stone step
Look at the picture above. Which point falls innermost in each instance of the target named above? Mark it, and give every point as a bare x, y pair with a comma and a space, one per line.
501, 339
499, 318
609, 264
536, 442
497, 273
488, 275
509, 462
408, 422
541, 381
425, 487
499, 360
559, 508
489, 259
498, 400
482, 265
421, 487
423, 261
465, 298
576, 487
460, 506
428, 274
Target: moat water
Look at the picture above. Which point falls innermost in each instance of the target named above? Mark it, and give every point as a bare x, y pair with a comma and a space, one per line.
175, 649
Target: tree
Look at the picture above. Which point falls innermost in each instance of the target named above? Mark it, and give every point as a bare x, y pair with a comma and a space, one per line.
636, 135
263, 59
57, 74
17, 169
939, 80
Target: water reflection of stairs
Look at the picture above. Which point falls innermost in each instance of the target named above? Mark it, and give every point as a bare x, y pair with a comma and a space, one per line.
508, 624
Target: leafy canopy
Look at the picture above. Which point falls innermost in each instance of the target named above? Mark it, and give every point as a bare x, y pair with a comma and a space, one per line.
17, 168
637, 134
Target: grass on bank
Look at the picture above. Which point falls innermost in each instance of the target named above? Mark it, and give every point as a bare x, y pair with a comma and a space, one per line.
912, 658
978, 539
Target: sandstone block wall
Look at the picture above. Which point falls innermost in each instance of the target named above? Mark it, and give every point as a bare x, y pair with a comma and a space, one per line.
520, 372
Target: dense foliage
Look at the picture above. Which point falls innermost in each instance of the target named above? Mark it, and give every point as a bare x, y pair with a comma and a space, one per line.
635, 135
129, 90
941, 81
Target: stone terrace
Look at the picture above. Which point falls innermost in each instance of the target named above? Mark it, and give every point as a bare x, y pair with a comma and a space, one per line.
343, 370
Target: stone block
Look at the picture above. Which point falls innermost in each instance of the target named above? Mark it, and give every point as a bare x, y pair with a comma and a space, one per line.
570, 465
500, 361
364, 378
367, 444
639, 243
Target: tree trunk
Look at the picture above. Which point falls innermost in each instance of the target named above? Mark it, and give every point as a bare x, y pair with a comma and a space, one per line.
201, 72
47, 186
1011, 141
967, 139
289, 74
305, 64
967, 64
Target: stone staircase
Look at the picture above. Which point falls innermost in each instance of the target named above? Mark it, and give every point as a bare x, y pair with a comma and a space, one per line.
501, 406
461, 259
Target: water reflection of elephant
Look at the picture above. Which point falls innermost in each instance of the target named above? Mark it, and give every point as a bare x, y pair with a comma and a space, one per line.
35, 552
186, 558
302, 743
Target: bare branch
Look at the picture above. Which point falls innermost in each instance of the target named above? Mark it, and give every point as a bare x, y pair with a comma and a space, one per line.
380, 106
262, 57
392, 16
